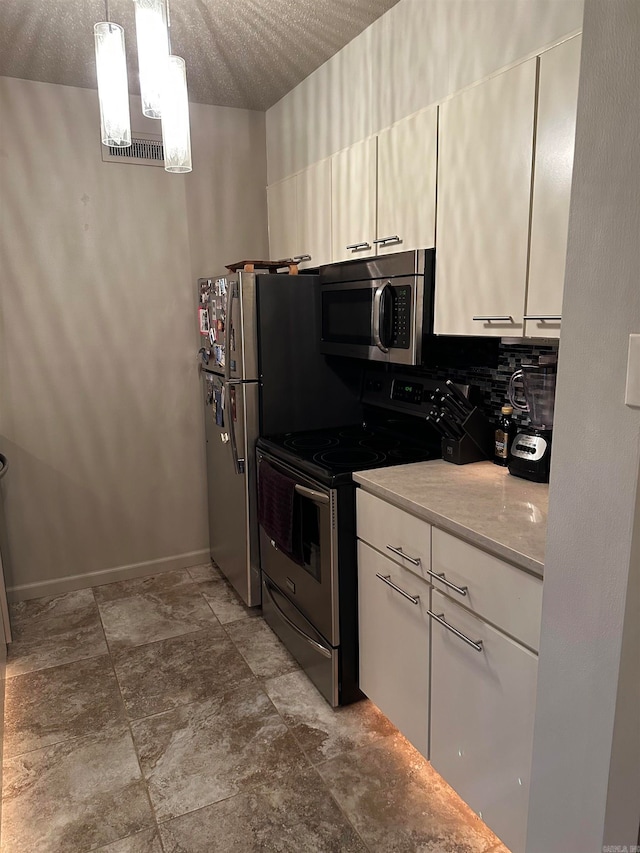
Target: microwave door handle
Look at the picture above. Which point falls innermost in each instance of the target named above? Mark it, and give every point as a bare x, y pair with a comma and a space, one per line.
378, 316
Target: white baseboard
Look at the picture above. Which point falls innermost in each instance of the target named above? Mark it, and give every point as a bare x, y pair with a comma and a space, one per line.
58, 586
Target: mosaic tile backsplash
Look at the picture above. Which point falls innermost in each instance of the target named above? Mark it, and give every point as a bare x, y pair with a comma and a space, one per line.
490, 375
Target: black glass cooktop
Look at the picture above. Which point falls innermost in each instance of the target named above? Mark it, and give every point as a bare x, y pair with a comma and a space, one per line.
332, 455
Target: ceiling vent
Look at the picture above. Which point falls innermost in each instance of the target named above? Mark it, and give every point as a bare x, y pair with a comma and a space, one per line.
145, 150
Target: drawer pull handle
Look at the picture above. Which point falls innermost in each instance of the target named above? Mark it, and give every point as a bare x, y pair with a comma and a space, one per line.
414, 599
400, 553
544, 318
382, 241
440, 577
477, 645
356, 247
305, 257
499, 318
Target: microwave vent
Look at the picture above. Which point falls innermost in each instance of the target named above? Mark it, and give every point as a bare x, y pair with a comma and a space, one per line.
145, 150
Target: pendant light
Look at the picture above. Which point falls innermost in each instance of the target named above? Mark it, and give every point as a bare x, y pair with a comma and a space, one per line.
176, 134
153, 53
113, 86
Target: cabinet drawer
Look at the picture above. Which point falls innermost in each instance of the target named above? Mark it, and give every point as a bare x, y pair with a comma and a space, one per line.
386, 527
501, 593
482, 714
394, 644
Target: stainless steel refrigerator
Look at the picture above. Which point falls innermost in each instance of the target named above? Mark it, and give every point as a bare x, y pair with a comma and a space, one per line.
263, 374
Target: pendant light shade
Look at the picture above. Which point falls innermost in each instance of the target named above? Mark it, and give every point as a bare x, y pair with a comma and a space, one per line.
153, 53
176, 135
113, 87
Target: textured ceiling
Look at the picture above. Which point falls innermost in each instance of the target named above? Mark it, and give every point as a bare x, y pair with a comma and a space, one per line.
239, 53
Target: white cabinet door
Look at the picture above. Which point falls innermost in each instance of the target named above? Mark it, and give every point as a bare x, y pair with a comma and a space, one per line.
353, 201
555, 136
283, 219
484, 192
407, 155
394, 644
314, 214
399, 535
489, 587
482, 711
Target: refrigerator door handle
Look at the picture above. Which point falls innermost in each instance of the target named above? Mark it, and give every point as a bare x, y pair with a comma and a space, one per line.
227, 332
238, 463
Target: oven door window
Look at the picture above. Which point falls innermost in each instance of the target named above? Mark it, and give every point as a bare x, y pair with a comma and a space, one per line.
346, 316
308, 517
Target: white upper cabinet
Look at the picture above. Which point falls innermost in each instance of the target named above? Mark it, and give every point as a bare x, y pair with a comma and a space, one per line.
300, 216
555, 135
353, 201
314, 215
484, 193
407, 159
283, 219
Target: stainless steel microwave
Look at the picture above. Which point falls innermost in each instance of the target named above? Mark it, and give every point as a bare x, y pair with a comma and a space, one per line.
378, 308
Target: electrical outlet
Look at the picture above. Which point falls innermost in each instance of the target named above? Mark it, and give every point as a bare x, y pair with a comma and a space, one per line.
632, 395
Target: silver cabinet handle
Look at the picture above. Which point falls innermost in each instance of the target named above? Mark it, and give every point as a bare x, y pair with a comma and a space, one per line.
400, 553
414, 599
301, 258
477, 644
312, 494
382, 240
507, 318
555, 318
357, 246
321, 649
461, 589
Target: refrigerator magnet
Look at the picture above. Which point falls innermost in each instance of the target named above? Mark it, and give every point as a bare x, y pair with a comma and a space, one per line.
203, 319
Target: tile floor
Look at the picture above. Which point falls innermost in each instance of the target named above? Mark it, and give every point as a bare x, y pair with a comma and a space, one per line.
160, 715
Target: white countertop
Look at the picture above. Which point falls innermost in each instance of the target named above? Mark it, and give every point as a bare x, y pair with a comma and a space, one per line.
480, 502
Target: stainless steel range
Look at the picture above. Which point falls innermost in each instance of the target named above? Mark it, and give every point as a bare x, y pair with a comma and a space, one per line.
306, 499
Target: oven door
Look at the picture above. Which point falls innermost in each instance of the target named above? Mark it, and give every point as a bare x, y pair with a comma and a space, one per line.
313, 586
376, 319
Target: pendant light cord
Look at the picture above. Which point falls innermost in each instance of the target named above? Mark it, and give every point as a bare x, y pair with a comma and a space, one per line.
168, 26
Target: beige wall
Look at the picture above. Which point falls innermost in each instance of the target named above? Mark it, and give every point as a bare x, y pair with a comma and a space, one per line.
100, 409
585, 783
419, 52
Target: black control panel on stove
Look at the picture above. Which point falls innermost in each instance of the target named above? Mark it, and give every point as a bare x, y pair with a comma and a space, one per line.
401, 392
407, 392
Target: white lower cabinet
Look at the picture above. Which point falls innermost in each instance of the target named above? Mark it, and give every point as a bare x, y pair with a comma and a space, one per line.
482, 713
394, 643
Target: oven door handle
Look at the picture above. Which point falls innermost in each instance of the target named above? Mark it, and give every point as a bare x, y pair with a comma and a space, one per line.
312, 494
378, 316
317, 646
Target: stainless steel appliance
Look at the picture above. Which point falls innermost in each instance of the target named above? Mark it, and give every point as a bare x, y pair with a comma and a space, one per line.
531, 448
380, 308
310, 596
261, 371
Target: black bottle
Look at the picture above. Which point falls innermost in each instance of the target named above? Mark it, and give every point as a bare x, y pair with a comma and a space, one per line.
504, 437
